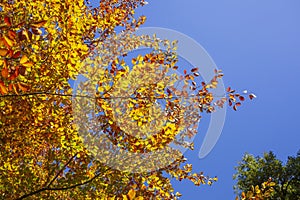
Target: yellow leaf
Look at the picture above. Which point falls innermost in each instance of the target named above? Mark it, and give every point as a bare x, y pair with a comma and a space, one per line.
28, 64
272, 184
15, 88
9, 41
131, 194
24, 59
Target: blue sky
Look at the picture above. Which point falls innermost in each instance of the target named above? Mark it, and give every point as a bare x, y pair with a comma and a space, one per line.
257, 45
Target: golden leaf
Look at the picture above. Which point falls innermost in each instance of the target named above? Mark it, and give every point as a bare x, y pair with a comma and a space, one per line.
131, 194
24, 59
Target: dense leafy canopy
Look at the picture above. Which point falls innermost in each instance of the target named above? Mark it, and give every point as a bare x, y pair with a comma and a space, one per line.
277, 181
44, 46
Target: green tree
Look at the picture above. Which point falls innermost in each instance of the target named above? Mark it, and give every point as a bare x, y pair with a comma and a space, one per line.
254, 171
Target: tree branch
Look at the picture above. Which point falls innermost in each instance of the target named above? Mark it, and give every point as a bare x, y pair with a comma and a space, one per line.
48, 188
61, 170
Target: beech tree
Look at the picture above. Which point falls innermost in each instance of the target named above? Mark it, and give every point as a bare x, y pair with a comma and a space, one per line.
46, 122
267, 177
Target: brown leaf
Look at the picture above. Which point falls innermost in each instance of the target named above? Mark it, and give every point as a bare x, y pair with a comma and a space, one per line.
39, 24
22, 70
195, 69
36, 31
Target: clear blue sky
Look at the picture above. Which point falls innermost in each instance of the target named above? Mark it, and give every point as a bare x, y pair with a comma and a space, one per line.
257, 45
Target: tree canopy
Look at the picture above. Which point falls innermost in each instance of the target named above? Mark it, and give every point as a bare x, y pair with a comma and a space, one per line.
127, 113
256, 173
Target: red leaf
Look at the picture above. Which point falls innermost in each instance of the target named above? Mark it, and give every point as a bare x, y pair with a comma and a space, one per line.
184, 71
17, 54
228, 89
11, 34
242, 98
252, 96
7, 21
230, 102
234, 108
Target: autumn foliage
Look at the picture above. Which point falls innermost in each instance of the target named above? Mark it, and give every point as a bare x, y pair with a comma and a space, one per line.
44, 46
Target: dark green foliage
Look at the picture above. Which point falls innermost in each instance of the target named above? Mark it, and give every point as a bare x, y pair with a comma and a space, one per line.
253, 171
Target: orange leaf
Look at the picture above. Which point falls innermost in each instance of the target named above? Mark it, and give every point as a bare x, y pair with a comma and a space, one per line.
4, 72
4, 63
243, 195
3, 89
24, 89
3, 52
131, 194
11, 34
10, 87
